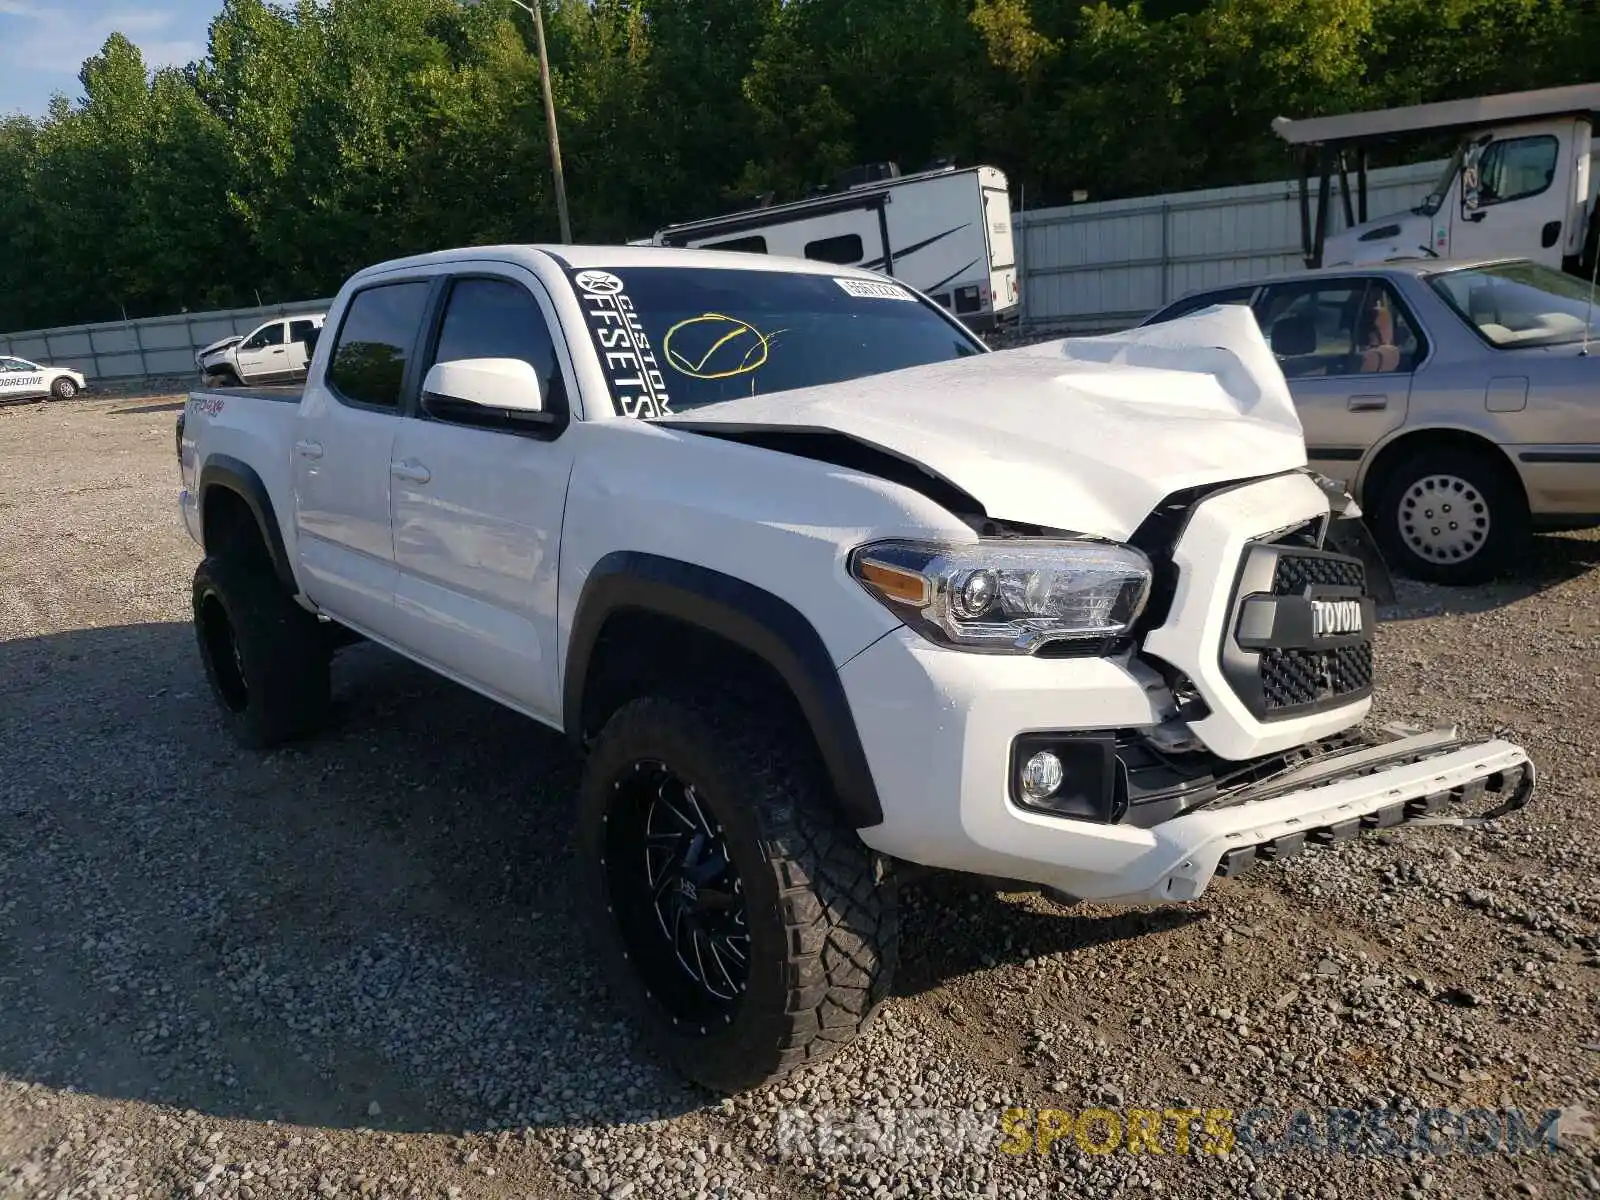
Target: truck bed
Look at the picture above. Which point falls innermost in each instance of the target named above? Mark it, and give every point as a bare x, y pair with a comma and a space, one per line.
283, 393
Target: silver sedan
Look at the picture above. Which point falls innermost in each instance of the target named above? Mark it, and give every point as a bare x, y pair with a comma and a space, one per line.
1460, 402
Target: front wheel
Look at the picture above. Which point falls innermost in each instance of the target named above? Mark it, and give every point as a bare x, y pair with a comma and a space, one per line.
1452, 516
748, 927
63, 388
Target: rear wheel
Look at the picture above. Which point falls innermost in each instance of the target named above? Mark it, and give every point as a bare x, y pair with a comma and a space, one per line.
265, 657
747, 926
1451, 515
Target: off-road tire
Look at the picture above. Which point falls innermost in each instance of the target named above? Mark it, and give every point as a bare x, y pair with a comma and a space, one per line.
820, 905
1491, 483
276, 687
63, 389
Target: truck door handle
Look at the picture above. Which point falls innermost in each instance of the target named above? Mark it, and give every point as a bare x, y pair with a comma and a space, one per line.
1367, 403
307, 449
410, 470
280, 350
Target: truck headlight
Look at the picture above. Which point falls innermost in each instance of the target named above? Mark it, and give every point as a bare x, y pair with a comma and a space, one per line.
1007, 596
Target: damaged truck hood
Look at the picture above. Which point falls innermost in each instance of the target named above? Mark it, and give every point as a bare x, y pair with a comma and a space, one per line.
1080, 434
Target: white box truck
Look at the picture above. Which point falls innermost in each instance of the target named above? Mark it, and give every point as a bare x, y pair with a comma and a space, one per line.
1519, 184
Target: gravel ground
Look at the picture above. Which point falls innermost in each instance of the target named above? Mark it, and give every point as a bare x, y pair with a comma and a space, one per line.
350, 968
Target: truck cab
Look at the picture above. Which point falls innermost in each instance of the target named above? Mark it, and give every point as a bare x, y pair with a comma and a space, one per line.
1518, 184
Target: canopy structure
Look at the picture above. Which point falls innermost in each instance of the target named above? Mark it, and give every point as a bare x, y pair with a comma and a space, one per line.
1327, 143
1443, 117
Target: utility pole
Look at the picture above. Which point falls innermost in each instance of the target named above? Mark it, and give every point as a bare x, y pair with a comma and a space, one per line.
535, 10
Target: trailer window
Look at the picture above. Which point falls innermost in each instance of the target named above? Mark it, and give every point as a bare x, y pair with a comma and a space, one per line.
670, 339
846, 250
750, 245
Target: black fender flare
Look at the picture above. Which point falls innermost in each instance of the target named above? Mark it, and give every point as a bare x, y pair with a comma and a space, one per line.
749, 617
225, 471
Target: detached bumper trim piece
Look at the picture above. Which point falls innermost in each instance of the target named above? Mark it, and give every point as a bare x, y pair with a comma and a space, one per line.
1443, 782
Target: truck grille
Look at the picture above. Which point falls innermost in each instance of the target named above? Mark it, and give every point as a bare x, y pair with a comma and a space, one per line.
1294, 646
1295, 574
1295, 678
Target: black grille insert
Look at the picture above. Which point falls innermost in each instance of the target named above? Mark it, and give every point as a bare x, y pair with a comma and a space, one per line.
1296, 678
1296, 573
1299, 637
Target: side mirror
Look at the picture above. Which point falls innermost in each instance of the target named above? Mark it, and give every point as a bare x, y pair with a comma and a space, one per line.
503, 392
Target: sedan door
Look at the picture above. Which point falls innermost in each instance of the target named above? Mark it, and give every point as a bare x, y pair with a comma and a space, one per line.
477, 508
1348, 348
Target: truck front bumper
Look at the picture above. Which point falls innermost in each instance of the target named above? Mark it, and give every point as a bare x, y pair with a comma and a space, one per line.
939, 729
1347, 797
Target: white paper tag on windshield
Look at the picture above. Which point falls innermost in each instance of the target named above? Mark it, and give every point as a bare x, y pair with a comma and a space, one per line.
871, 289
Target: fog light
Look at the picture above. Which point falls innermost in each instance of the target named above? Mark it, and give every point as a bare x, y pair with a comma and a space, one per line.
1042, 776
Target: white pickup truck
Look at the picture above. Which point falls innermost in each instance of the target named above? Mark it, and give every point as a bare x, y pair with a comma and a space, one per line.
819, 586
276, 352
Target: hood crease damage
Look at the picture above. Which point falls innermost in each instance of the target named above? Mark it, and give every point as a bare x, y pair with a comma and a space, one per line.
1085, 434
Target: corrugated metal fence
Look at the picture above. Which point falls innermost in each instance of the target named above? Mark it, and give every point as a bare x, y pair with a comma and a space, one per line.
152, 346
1102, 266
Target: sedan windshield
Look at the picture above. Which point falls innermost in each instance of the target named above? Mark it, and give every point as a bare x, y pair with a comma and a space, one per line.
672, 339
1519, 303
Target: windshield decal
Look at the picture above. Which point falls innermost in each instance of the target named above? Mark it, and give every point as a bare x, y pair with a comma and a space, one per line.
637, 385
715, 346
871, 289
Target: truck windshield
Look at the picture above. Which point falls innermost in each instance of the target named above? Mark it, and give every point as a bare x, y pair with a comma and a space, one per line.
670, 339
1518, 303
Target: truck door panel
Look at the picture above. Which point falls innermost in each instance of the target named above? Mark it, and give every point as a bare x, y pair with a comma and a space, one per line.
299, 352
342, 455
261, 355
477, 511
1515, 195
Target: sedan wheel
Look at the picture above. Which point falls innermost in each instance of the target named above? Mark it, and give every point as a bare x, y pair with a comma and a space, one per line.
1444, 519
63, 388
1451, 515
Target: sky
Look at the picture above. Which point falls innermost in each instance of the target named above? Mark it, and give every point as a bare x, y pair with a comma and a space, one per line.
44, 42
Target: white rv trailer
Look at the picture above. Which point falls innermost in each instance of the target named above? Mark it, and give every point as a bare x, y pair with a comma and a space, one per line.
945, 232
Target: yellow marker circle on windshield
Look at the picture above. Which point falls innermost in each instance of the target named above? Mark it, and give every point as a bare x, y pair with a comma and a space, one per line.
724, 337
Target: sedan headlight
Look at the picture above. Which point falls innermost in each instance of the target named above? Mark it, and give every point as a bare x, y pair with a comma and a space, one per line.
1008, 596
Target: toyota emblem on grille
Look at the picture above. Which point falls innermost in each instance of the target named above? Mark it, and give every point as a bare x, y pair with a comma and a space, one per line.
1332, 618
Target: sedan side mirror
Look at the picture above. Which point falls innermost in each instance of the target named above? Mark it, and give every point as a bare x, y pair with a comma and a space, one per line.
500, 392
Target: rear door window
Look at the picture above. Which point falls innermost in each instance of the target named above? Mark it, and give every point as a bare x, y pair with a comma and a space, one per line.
376, 340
